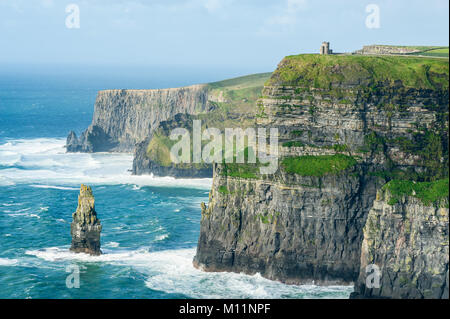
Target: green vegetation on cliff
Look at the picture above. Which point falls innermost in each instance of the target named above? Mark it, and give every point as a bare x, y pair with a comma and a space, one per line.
238, 95
328, 71
245, 81
427, 192
234, 101
433, 52
318, 165
158, 150
246, 171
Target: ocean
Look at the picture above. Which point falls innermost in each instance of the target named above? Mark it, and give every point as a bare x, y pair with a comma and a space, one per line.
150, 225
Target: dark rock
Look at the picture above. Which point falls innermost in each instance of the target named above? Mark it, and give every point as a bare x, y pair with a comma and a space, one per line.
286, 228
409, 243
72, 143
85, 228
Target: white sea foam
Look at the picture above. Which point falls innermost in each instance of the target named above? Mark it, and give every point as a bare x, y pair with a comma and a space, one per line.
11, 204
45, 164
5, 182
112, 244
171, 271
161, 237
8, 262
55, 187
57, 254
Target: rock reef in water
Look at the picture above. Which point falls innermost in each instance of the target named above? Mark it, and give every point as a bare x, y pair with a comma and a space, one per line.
85, 228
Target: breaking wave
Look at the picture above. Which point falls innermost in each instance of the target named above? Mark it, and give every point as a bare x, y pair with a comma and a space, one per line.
171, 271
44, 163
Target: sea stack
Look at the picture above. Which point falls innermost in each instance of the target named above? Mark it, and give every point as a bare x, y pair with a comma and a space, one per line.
85, 228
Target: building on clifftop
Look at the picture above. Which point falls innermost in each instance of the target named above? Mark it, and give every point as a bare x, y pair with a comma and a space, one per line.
325, 48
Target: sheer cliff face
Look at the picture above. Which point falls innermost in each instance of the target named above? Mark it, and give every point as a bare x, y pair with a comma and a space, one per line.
408, 241
344, 129
123, 118
296, 229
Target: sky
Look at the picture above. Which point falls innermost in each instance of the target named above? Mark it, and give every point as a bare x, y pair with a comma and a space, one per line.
246, 35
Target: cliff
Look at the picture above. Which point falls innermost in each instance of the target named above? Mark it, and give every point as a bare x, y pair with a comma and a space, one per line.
293, 228
85, 227
123, 118
347, 124
141, 121
407, 238
388, 49
376, 49
233, 104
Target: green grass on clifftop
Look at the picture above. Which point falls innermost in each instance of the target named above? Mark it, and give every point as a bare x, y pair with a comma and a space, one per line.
242, 81
158, 150
434, 52
328, 71
238, 95
318, 165
427, 192
235, 102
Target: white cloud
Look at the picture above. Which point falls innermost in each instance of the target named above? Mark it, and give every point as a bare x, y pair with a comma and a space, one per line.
216, 5
289, 14
296, 5
212, 5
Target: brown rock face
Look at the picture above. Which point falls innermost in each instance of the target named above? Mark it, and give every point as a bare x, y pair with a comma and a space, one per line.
85, 228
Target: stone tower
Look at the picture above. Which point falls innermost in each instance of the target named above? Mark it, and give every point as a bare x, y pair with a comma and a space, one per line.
85, 228
325, 48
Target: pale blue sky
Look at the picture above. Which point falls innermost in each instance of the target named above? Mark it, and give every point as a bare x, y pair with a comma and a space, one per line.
250, 34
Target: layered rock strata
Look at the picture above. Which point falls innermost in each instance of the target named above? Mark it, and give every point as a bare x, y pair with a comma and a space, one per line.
347, 124
408, 242
123, 118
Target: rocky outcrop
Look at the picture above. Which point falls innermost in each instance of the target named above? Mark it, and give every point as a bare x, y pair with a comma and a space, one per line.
123, 118
387, 49
85, 228
144, 165
408, 241
151, 155
345, 128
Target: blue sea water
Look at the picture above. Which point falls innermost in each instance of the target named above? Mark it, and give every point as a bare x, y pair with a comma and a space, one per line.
150, 225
